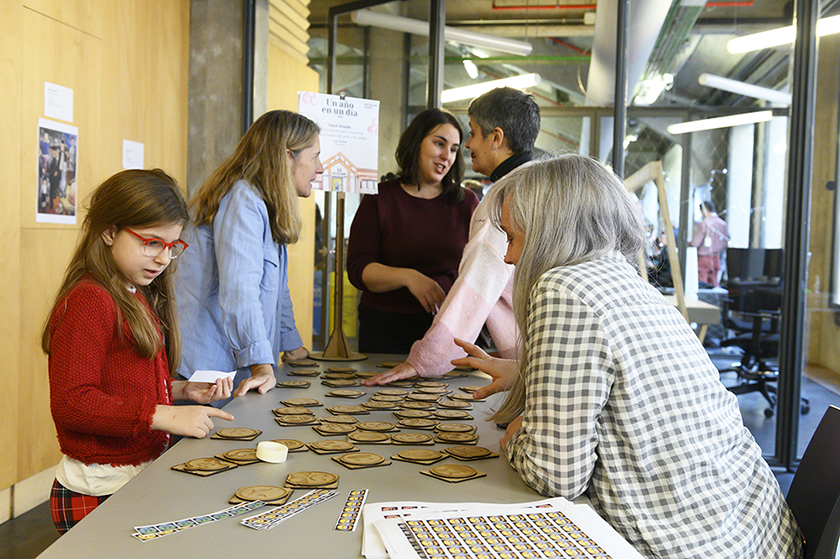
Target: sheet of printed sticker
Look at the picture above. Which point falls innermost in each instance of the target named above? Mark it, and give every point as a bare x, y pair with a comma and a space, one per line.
156, 531
555, 529
275, 516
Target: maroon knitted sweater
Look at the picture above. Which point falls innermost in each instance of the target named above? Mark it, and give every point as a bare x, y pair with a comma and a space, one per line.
103, 393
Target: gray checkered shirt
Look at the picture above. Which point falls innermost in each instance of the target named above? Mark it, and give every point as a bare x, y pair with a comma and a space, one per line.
623, 403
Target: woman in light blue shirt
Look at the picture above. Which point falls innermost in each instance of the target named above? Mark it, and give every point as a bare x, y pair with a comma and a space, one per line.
232, 294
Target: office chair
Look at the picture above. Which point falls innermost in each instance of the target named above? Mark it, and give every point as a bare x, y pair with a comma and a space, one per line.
814, 495
752, 312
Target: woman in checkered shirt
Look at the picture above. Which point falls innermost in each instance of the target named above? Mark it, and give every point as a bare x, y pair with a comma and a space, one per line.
614, 395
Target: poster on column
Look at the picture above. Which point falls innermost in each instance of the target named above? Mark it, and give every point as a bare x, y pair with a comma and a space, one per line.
57, 163
349, 140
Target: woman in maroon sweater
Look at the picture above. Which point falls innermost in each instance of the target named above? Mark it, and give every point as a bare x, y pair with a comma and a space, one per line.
406, 242
113, 344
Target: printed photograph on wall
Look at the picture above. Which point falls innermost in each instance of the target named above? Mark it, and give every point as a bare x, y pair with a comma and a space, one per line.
57, 163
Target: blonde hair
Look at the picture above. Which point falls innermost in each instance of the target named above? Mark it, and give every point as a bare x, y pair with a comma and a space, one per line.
261, 160
132, 198
572, 209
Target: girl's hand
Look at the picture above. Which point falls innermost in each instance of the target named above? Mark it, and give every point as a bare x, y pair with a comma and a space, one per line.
511, 430
401, 371
189, 421
426, 290
205, 392
295, 354
262, 379
503, 371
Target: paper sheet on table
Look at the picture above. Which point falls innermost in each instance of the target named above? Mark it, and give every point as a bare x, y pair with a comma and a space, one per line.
583, 516
210, 376
374, 548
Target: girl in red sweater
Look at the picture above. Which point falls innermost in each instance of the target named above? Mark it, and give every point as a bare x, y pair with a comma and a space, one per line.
113, 344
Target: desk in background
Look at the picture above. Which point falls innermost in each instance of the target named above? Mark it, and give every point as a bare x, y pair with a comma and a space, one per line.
159, 494
700, 313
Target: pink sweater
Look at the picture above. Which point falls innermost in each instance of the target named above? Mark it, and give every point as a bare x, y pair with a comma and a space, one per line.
482, 293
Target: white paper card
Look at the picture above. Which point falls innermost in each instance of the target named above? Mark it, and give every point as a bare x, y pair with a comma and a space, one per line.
132, 155
210, 376
58, 102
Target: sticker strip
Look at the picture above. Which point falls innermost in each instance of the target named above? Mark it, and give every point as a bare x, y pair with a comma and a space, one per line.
352, 510
156, 531
272, 518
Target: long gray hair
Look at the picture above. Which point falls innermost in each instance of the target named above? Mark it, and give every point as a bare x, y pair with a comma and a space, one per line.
572, 209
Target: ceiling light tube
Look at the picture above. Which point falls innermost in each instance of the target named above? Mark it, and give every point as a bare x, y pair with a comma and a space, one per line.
468, 92
778, 37
741, 88
418, 27
720, 122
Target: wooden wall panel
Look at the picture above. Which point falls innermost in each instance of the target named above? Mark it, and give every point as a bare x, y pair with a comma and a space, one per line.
127, 64
10, 156
285, 78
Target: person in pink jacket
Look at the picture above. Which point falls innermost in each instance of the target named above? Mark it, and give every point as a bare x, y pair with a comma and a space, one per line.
504, 123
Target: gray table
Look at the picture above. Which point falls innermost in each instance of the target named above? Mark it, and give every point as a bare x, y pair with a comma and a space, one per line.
159, 494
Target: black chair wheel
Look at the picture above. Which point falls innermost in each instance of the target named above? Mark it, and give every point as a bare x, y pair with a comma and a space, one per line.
805, 409
768, 412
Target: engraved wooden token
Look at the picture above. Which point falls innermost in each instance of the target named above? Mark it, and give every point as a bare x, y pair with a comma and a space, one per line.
457, 437
452, 414
301, 402
336, 428
411, 438
366, 374
470, 389
386, 398
455, 471
376, 426
347, 409
454, 404
389, 364
380, 405
332, 446
455, 428
420, 454
296, 418
468, 451
341, 370
431, 384
345, 419
205, 464
419, 397
419, 422
432, 390
292, 410
302, 363
345, 393
261, 493
338, 376
464, 398
393, 391
362, 458
305, 373
464, 368
368, 437
237, 432
311, 479
412, 414
417, 405
241, 454
291, 444
293, 384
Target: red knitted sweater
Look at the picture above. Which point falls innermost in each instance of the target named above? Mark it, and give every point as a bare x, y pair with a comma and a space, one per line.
103, 393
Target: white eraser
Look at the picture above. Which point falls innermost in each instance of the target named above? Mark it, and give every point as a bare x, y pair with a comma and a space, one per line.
269, 451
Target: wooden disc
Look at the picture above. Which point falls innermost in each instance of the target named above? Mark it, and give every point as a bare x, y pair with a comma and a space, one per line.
432, 390
419, 397
293, 384
393, 391
291, 444
337, 428
205, 464
345, 419
368, 437
341, 370
241, 454
455, 428
345, 393
348, 409
452, 414
375, 426
418, 422
457, 437
332, 445
414, 414
463, 397
310, 479
362, 459
292, 410
454, 471
470, 389
380, 405
411, 438
468, 451
302, 363
301, 402
236, 432
420, 454
339, 376
417, 405
389, 364
297, 418
431, 384
386, 398
261, 493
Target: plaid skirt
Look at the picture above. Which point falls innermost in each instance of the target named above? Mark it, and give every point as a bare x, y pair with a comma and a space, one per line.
67, 507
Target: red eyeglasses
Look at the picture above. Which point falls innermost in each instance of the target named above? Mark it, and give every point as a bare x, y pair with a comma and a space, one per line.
153, 247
